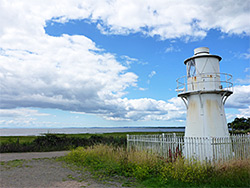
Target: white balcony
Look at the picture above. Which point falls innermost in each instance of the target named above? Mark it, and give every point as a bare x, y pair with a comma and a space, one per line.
205, 82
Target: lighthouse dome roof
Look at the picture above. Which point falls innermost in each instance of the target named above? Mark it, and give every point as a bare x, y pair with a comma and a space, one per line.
201, 52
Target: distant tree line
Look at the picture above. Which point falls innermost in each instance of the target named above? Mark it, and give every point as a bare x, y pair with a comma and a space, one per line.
239, 125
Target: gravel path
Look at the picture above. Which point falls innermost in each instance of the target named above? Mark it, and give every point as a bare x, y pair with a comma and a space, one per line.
31, 155
42, 170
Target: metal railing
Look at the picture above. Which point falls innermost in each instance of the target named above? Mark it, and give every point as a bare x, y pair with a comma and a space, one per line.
224, 81
209, 149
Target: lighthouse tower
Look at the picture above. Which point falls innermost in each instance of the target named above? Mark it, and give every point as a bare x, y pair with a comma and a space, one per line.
204, 91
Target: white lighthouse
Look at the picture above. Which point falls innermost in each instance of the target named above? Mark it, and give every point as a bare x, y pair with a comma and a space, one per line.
204, 91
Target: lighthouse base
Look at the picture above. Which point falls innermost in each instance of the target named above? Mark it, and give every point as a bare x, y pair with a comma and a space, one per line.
206, 116
206, 149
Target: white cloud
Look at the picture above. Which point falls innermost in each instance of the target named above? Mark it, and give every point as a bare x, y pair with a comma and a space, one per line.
64, 72
21, 112
244, 112
246, 55
20, 117
72, 73
129, 60
166, 19
240, 99
146, 109
171, 48
143, 89
82, 113
243, 81
247, 69
152, 74
242, 55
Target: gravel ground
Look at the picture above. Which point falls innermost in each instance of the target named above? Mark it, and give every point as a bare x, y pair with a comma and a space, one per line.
19, 170
31, 155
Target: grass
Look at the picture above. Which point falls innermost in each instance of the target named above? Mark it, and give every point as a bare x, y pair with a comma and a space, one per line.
20, 139
25, 139
151, 170
52, 142
12, 164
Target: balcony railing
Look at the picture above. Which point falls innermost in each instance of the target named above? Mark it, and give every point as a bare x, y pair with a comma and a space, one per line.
223, 80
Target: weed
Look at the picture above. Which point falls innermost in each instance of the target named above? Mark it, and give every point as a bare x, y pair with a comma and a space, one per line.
13, 164
71, 177
153, 171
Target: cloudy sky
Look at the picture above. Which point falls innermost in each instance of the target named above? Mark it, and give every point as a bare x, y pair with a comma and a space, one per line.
114, 62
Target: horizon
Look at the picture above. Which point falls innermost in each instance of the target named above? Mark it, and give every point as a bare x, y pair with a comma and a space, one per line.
114, 63
169, 126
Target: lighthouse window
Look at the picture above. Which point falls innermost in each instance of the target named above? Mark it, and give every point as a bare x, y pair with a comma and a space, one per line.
191, 70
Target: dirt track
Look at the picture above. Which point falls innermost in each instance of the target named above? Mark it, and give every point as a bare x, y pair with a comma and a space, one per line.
40, 170
31, 155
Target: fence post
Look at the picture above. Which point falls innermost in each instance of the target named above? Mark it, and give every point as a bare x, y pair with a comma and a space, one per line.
213, 149
127, 142
162, 144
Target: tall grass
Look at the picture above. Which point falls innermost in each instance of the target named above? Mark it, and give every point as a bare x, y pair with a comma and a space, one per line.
154, 171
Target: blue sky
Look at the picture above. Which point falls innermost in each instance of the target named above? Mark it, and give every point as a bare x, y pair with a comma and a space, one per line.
114, 63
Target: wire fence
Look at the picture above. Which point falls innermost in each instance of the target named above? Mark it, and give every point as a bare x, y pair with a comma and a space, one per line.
209, 149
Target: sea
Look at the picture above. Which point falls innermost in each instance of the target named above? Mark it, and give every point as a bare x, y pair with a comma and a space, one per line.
91, 130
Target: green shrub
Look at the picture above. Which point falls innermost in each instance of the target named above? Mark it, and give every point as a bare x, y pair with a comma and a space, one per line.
53, 142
